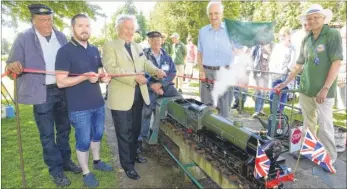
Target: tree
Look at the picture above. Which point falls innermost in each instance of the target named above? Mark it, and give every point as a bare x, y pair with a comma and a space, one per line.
143, 29
15, 11
5, 46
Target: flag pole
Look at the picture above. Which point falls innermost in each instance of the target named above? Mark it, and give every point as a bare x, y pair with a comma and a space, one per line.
19, 137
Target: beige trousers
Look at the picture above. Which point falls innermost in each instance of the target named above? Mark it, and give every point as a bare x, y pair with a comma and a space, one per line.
179, 72
323, 114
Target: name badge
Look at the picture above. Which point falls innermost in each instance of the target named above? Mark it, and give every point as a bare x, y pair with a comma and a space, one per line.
165, 67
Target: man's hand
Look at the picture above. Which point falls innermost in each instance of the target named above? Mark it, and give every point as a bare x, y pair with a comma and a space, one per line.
14, 67
160, 74
159, 92
106, 79
322, 95
280, 86
202, 75
92, 77
156, 86
141, 79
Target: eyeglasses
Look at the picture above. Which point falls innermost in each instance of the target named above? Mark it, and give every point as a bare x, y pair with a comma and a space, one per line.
315, 18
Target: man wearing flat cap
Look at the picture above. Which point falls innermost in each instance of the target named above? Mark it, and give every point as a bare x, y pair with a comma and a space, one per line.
36, 48
157, 88
320, 56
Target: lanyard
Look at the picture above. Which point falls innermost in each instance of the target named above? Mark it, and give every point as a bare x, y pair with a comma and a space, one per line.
315, 53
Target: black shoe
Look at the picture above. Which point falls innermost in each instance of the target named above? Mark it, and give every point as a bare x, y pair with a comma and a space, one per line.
140, 159
61, 180
139, 147
132, 174
235, 106
72, 167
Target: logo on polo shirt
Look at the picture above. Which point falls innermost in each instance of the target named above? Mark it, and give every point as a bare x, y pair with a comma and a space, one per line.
320, 48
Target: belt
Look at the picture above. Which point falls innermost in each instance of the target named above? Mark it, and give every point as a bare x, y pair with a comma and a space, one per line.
214, 67
52, 86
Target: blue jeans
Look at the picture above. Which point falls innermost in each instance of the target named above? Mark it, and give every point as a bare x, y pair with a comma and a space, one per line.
56, 148
237, 91
169, 91
89, 126
283, 97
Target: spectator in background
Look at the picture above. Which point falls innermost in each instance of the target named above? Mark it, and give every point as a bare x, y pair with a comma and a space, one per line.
178, 55
341, 82
261, 56
281, 62
166, 45
191, 58
243, 63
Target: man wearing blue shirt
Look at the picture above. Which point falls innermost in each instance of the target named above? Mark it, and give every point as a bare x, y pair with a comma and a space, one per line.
157, 88
214, 51
86, 106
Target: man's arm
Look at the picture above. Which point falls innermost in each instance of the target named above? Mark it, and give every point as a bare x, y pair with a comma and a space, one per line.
15, 61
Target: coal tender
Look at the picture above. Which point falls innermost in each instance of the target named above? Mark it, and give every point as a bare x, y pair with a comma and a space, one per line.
230, 142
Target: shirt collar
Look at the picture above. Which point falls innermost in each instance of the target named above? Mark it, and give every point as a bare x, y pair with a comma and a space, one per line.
161, 53
324, 30
53, 36
222, 26
76, 43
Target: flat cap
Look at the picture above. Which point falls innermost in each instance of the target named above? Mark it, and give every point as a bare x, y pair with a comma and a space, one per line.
39, 9
175, 35
154, 34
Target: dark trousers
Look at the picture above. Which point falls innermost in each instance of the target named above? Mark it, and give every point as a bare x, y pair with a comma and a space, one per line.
56, 149
283, 97
128, 127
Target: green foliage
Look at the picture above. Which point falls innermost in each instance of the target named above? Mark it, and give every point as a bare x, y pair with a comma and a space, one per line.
15, 11
5, 46
187, 17
97, 41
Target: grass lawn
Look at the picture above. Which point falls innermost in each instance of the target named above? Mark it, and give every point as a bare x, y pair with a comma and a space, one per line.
36, 171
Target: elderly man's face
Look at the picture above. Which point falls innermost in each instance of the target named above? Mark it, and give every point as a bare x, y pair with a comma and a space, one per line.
315, 21
155, 43
126, 30
43, 24
215, 15
82, 29
174, 40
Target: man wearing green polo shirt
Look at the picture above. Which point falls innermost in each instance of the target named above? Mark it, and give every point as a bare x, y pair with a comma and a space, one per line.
320, 56
178, 55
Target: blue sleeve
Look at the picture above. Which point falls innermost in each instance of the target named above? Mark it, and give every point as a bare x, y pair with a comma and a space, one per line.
17, 51
171, 74
199, 43
62, 61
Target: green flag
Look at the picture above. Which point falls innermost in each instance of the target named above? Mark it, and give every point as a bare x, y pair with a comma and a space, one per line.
250, 33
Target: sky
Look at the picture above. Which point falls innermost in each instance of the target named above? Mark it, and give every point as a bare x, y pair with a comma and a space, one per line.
106, 7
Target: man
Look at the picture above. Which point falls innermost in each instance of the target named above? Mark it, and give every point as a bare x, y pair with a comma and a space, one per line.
178, 55
321, 62
214, 51
83, 94
341, 89
261, 55
166, 45
127, 93
37, 48
157, 88
191, 58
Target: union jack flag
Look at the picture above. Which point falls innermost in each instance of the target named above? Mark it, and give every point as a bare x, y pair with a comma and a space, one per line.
322, 158
308, 145
262, 163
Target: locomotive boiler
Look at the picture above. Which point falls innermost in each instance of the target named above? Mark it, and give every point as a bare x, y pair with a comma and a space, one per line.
235, 144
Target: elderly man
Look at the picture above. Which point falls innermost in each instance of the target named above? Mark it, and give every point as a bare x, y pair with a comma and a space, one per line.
321, 61
157, 88
127, 93
83, 94
214, 51
178, 55
37, 48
